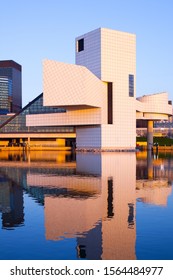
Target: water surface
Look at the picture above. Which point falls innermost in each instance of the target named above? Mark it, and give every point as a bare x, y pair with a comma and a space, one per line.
58, 205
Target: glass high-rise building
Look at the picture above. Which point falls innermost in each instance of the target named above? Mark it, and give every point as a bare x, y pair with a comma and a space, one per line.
10, 87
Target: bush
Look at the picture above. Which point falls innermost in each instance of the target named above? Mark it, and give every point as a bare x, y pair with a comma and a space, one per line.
162, 141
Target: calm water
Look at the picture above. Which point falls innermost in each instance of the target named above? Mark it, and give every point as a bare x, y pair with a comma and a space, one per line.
86, 206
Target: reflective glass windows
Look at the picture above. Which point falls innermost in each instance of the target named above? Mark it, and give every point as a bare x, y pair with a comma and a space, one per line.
17, 123
5, 95
131, 85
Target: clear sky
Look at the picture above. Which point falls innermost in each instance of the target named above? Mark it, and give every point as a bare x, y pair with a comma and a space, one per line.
33, 30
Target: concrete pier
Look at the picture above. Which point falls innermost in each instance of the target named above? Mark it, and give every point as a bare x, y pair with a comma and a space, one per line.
149, 135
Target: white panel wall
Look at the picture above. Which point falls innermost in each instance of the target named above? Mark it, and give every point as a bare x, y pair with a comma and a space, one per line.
71, 85
155, 103
88, 137
155, 116
153, 107
91, 56
115, 53
74, 117
118, 60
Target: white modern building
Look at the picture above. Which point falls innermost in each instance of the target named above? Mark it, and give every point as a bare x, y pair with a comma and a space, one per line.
99, 93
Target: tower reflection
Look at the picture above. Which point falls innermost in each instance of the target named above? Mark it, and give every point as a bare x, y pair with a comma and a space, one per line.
103, 221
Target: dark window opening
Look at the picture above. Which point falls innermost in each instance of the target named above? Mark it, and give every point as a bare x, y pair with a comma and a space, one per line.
80, 45
110, 103
81, 249
131, 216
131, 85
110, 208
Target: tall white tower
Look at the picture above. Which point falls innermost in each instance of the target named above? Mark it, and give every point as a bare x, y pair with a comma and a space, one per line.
111, 56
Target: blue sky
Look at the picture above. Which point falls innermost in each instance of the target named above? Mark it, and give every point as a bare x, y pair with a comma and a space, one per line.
33, 30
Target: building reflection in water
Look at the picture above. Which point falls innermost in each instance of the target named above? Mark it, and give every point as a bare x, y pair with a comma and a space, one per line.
96, 205
155, 186
90, 197
11, 203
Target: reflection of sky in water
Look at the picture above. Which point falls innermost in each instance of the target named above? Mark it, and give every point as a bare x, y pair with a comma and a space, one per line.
28, 242
154, 231
87, 206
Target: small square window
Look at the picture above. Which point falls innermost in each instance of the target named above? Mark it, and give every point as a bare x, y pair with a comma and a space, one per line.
80, 45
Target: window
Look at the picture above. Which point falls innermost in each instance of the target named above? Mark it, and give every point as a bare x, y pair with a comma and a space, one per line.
110, 103
80, 45
110, 207
131, 85
81, 251
131, 215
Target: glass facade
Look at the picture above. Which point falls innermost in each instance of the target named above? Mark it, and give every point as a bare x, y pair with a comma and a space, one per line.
4, 118
17, 123
10, 87
131, 85
5, 95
